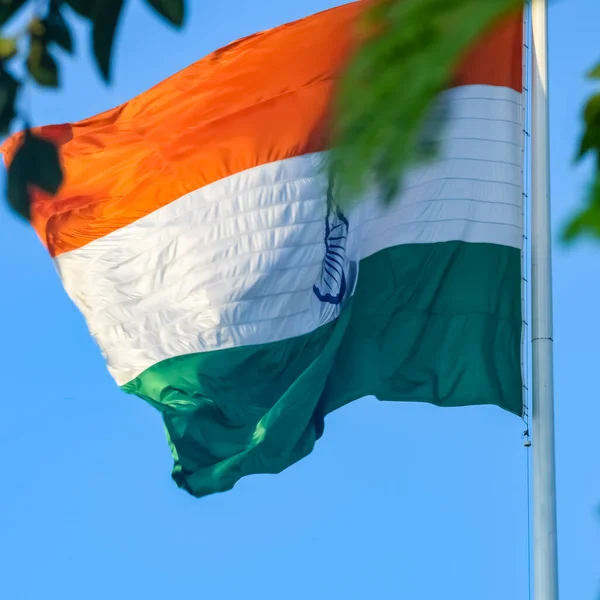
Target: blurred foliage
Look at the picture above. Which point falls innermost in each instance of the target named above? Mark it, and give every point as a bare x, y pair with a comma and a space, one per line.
388, 106
587, 220
36, 162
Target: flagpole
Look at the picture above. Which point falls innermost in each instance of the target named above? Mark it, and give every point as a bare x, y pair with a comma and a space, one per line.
545, 556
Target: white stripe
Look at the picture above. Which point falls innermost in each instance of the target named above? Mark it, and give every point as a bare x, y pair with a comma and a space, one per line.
234, 263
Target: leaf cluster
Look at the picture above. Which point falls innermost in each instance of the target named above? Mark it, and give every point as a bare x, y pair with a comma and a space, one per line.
36, 162
587, 220
389, 112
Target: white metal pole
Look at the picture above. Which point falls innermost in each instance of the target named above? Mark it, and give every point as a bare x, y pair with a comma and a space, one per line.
545, 556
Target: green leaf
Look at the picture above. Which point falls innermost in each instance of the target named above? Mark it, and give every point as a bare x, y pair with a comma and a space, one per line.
85, 8
591, 112
595, 72
105, 21
587, 221
9, 87
36, 28
387, 116
591, 136
104, 15
9, 8
41, 64
589, 141
36, 163
57, 29
8, 48
172, 10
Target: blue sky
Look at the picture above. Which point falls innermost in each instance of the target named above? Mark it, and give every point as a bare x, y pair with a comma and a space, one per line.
397, 501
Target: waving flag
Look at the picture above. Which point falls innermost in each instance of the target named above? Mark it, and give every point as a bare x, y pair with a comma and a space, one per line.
200, 236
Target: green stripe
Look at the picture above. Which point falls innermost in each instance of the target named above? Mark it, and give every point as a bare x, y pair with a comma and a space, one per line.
437, 323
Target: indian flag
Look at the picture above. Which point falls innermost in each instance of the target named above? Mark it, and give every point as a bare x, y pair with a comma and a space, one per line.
200, 236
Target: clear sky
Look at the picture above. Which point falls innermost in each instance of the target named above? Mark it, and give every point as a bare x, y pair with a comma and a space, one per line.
396, 501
